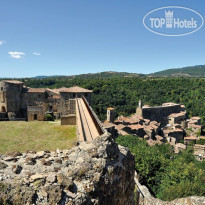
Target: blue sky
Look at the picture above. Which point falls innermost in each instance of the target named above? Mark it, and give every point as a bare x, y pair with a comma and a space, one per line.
67, 37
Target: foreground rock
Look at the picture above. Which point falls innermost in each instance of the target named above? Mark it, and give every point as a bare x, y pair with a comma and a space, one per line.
99, 172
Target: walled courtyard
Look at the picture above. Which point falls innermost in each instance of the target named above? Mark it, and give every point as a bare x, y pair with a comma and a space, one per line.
35, 135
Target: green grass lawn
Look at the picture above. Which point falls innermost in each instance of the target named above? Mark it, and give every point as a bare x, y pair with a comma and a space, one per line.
35, 135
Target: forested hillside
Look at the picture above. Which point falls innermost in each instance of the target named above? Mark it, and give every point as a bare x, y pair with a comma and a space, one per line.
124, 93
197, 71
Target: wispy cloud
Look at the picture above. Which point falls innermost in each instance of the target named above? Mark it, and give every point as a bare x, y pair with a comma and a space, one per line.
2, 42
16, 54
36, 54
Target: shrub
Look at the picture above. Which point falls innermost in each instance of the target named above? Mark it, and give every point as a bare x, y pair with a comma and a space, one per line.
49, 117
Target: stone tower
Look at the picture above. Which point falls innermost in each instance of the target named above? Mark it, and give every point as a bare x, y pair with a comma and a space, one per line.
139, 109
110, 114
140, 104
10, 95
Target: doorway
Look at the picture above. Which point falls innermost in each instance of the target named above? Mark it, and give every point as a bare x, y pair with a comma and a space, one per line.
35, 117
3, 109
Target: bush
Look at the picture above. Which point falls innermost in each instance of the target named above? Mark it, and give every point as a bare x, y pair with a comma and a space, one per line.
49, 117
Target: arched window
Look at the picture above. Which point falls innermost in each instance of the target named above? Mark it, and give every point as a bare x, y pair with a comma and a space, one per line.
3, 109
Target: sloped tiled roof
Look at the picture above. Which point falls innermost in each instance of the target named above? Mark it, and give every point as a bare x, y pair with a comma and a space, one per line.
122, 132
190, 138
74, 89
196, 118
36, 90
54, 91
13, 81
136, 127
119, 127
108, 125
180, 145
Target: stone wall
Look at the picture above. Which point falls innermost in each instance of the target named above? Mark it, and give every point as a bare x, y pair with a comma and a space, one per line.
10, 96
35, 113
68, 119
100, 172
33, 99
160, 113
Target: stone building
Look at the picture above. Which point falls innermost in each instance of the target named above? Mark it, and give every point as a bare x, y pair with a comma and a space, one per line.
67, 98
158, 113
20, 102
11, 97
199, 151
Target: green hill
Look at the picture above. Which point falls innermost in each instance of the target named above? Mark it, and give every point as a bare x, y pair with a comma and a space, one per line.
192, 71
107, 74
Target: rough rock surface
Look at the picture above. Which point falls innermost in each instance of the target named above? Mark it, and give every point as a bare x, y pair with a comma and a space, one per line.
100, 172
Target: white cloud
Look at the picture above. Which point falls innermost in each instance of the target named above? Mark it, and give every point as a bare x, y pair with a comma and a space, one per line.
36, 54
2, 42
16, 54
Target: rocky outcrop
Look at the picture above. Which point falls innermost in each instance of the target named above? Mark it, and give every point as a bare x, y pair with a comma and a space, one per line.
100, 172
145, 198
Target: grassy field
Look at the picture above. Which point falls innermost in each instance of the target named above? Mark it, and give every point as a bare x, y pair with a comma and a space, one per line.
23, 136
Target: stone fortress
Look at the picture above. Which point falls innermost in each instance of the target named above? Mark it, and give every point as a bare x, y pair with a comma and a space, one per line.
18, 102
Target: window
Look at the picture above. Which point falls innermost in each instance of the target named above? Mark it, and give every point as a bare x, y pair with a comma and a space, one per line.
3, 109
1, 88
74, 95
39, 96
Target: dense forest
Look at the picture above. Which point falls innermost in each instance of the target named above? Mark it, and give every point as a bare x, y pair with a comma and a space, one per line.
168, 176
124, 93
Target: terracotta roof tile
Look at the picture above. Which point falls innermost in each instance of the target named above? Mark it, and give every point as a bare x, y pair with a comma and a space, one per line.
195, 118
14, 81
149, 127
196, 126
153, 122
177, 130
136, 127
177, 114
36, 90
122, 132
154, 126
108, 125
199, 146
119, 127
180, 145
74, 89
190, 138
159, 138
55, 91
